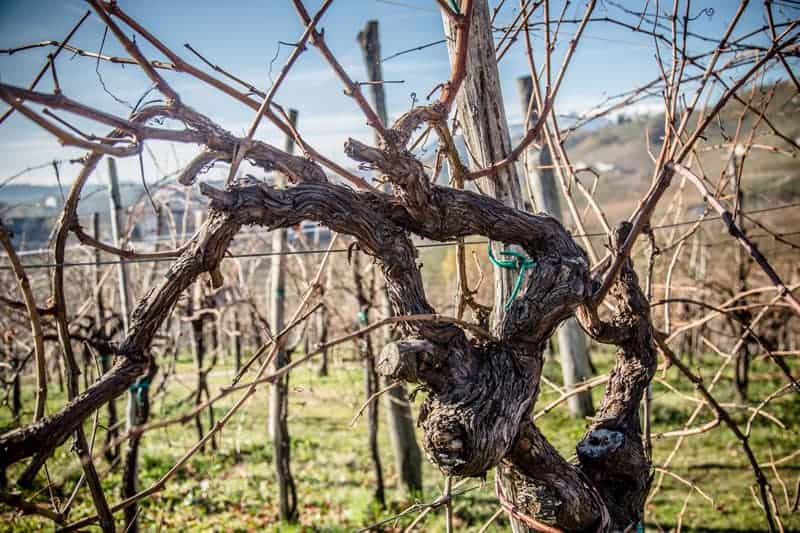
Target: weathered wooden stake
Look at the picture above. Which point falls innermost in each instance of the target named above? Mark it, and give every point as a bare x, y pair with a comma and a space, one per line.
278, 412
130, 466
482, 116
237, 340
105, 358
574, 357
197, 304
407, 455
743, 261
116, 231
365, 302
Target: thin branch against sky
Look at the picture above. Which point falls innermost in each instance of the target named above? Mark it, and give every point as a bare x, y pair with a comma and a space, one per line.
613, 59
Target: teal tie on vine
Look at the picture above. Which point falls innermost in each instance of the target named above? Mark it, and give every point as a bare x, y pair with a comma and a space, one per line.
454, 3
139, 389
518, 262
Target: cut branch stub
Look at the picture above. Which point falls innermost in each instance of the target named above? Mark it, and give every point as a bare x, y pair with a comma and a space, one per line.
406, 359
600, 443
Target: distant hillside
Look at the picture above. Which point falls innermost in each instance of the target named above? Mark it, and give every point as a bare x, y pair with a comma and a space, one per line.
14, 193
43, 200
617, 150
46, 200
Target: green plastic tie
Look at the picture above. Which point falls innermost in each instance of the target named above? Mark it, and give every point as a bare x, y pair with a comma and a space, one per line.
518, 262
454, 3
362, 317
139, 388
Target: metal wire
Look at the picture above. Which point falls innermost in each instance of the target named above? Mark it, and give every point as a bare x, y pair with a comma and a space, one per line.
421, 245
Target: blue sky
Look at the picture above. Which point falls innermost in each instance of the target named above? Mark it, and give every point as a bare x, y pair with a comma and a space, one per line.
243, 36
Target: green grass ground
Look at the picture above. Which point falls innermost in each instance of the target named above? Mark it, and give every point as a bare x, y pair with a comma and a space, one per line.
334, 477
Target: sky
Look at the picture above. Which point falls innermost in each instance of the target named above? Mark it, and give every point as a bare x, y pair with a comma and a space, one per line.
244, 36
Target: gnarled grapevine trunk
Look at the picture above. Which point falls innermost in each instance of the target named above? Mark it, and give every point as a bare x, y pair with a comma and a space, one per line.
480, 391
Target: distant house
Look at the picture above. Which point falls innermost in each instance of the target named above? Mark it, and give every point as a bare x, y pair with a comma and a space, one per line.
30, 224
29, 232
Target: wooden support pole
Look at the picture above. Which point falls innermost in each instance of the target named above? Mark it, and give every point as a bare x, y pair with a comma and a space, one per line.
371, 48
101, 327
407, 455
237, 340
278, 412
742, 373
130, 463
573, 354
364, 299
196, 310
482, 116
116, 229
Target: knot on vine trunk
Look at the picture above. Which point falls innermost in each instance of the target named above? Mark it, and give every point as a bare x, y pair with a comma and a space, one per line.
478, 396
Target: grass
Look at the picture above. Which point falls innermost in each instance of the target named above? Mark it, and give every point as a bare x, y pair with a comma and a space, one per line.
331, 466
